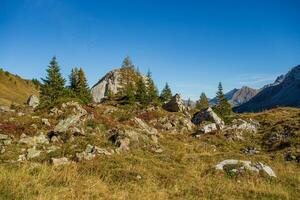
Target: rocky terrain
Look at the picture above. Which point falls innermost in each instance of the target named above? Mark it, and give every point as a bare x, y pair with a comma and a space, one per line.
110, 150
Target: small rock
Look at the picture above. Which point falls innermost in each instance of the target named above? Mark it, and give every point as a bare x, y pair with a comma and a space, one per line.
22, 158
32, 153
60, 161
46, 122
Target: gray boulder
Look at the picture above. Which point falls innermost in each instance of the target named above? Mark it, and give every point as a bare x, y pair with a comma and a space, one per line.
33, 101
72, 120
246, 165
176, 104
208, 115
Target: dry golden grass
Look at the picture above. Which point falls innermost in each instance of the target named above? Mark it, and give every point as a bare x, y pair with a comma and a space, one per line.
14, 90
184, 170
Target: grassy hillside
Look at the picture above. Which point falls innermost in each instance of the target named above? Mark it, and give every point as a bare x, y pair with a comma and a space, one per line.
14, 89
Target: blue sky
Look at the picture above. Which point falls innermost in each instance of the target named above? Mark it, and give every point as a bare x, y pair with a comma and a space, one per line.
192, 45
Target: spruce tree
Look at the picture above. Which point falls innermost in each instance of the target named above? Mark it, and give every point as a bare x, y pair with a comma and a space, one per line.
189, 103
129, 95
52, 89
82, 89
127, 63
166, 93
223, 107
79, 86
152, 90
141, 91
202, 103
73, 78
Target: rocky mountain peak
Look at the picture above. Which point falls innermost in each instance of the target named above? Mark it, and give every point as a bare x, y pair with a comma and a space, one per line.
114, 81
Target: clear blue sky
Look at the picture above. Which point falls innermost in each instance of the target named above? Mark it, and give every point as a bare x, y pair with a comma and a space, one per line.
192, 45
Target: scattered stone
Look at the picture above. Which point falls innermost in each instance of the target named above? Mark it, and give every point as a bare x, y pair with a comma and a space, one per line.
2, 149
5, 139
60, 161
35, 140
208, 115
242, 125
6, 109
250, 150
46, 122
33, 101
246, 165
32, 153
289, 156
20, 114
208, 128
175, 104
22, 158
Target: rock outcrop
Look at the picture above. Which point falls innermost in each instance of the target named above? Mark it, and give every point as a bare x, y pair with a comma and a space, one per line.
176, 104
114, 82
208, 115
33, 101
110, 82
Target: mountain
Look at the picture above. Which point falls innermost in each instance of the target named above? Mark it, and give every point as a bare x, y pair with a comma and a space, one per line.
238, 96
14, 89
285, 91
114, 82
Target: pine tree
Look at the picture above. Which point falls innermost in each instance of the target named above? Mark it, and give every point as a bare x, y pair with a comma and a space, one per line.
166, 93
152, 90
53, 87
202, 103
127, 63
141, 91
223, 107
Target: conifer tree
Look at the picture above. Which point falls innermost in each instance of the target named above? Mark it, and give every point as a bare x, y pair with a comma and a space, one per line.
152, 90
82, 88
73, 78
166, 93
223, 107
189, 103
127, 63
129, 95
141, 92
53, 87
202, 103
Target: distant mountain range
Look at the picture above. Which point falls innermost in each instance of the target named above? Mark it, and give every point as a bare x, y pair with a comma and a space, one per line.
285, 91
238, 96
